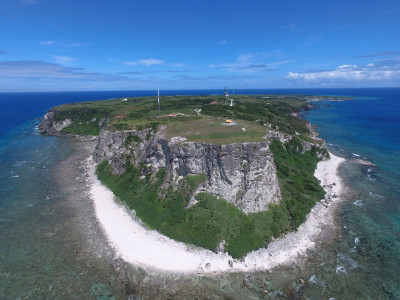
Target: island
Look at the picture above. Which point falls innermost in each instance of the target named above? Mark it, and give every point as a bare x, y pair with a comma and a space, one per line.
208, 183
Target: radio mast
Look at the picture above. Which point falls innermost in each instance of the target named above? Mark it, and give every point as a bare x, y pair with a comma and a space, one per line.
159, 102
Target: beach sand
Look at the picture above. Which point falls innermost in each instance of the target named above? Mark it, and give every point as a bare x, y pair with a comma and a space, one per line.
152, 251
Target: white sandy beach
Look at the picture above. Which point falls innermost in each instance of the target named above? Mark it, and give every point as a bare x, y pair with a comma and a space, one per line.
153, 251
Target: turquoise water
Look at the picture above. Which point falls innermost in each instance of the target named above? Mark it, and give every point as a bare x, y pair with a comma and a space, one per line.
365, 261
41, 255
44, 248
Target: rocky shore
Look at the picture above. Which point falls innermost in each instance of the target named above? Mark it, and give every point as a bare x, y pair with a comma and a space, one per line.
155, 266
268, 272
281, 265
149, 249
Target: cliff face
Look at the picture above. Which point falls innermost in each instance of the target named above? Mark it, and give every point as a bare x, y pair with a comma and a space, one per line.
242, 173
306, 146
49, 127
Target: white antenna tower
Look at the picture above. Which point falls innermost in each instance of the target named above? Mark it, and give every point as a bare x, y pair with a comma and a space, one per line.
159, 102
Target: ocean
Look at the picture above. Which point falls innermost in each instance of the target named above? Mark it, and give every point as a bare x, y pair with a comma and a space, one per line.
364, 262
47, 252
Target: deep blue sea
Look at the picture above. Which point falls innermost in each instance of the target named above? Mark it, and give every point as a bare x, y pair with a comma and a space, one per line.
36, 250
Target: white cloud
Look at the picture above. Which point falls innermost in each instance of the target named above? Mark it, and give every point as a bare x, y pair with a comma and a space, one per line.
145, 62
43, 76
77, 44
63, 60
38, 70
254, 62
184, 77
28, 2
383, 71
386, 53
295, 28
222, 42
178, 65
85, 44
311, 40
47, 43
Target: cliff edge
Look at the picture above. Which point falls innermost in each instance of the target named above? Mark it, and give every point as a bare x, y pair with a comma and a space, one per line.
203, 179
242, 173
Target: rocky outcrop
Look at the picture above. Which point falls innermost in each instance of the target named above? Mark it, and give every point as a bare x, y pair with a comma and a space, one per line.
50, 126
243, 173
278, 136
285, 138
121, 147
46, 126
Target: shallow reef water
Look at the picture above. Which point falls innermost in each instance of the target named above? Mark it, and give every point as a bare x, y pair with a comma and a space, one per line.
364, 261
46, 242
51, 246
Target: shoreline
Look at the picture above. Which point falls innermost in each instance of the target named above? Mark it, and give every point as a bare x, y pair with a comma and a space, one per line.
152, 251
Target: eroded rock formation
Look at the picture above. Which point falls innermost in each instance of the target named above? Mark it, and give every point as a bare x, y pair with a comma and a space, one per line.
242, 173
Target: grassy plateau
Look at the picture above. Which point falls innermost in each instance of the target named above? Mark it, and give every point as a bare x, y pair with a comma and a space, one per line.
203, 119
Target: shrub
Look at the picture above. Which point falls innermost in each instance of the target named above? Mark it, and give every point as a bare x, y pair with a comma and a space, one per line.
212, 219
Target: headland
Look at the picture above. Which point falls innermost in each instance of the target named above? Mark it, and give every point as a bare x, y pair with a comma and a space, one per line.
253, 167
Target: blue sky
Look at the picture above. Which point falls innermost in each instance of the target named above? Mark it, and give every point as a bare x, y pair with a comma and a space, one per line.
57, 45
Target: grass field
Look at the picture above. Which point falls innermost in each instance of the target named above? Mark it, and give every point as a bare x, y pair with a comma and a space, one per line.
212, 219
249, 112
216, 131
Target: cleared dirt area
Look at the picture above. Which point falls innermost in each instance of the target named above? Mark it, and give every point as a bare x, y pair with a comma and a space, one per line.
216, 130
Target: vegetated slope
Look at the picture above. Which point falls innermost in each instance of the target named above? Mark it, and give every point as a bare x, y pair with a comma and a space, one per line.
87, 118
212, 220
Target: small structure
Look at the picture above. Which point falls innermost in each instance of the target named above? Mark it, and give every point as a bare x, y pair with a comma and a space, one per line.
125, 99
158, 100
215, 102
228, 121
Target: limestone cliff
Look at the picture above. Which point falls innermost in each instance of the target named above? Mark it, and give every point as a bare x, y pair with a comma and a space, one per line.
242, 173
54, 122
49, 126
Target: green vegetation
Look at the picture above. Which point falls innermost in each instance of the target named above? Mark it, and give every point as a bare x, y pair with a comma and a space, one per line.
249, 112
300, 189
258, 110
214, 130
212, 219
82, 128
85, 120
